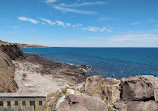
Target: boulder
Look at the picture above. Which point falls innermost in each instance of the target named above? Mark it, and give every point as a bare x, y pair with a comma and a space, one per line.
111, 89
72, 100
120, 106
142, 106
137, 106
156, 95
82, 102
92, 84
106, 89
138, 88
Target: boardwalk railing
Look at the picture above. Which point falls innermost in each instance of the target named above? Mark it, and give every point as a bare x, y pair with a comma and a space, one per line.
21, 102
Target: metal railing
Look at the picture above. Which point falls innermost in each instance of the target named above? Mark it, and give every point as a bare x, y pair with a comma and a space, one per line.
21, 101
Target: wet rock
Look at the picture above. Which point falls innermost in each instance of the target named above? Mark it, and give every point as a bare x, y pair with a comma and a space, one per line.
84, 67
138, 88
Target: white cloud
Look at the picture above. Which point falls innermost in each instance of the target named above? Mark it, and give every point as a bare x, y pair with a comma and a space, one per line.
68, 24
135, 37
48, 21
64, 9
28, 19
135, 23
94, 29
60, 23
77, 26
83, 4
50, 1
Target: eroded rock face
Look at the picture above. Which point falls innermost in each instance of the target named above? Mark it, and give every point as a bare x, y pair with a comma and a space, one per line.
120, 106
138, 93
137, 106
111, 90
142, 106
81, 102
13, 51
72, 100
7, 82
106, 89
138, 88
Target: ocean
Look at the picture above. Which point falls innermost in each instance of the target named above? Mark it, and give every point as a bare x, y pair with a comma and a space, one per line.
108, 62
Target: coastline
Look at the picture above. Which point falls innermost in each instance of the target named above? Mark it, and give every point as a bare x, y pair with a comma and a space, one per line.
44, 75
68, 87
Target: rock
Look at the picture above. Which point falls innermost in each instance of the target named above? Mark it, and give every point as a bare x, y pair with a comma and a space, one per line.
24, 75
82, 102
84, 67
92, 83
80, 87
120, 106
106, 89
156, 95
138, 88
66, 72
142, 106
111, 90
13, 51
71, 100
7, 74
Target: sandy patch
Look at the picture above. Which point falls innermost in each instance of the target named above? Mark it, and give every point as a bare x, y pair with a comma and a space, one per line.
34, 81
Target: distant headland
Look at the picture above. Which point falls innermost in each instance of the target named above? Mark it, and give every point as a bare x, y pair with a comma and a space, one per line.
21, 45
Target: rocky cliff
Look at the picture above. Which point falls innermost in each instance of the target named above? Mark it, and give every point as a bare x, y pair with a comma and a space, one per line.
8, 53
13, 51
7, 82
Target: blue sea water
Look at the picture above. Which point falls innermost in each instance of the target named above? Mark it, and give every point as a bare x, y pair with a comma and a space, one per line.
108, 62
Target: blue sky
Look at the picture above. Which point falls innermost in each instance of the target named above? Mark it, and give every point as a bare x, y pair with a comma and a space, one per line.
80, 23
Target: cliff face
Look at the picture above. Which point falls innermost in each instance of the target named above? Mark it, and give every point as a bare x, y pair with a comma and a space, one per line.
13, 51
8, 53
7, 82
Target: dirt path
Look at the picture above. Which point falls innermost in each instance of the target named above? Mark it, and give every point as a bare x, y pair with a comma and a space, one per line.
34, 81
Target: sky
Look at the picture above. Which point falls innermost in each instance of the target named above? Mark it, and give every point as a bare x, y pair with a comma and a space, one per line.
80, 23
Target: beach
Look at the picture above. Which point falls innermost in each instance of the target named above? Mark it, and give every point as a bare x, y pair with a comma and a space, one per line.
45, 76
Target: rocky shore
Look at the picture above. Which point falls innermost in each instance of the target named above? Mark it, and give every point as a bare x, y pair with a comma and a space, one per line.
70, 89
43, 75
138, 93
